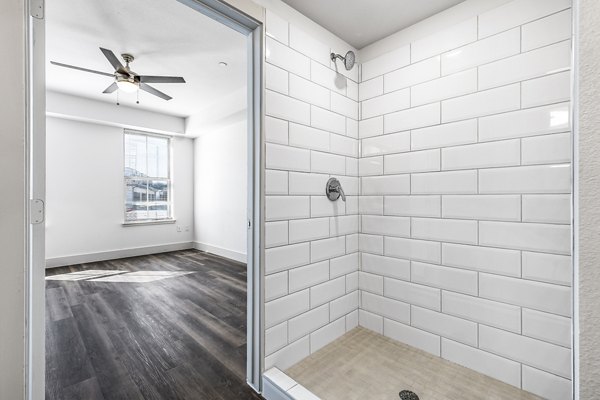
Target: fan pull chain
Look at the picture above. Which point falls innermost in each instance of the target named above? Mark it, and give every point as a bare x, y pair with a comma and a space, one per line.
138, 97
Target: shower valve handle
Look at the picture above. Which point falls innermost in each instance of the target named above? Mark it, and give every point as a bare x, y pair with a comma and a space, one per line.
334, 190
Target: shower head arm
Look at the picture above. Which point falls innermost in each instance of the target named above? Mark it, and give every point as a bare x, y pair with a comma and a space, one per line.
333, 56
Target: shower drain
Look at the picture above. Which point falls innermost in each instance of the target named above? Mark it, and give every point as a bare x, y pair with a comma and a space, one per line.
408, 395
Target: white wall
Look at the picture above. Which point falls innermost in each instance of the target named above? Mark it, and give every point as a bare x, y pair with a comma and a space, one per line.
465, 193
85, 195
220, 190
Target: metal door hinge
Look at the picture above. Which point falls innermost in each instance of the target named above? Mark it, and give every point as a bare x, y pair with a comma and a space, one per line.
36, 8
36, 211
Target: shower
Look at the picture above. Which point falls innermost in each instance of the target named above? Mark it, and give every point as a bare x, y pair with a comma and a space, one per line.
348, 59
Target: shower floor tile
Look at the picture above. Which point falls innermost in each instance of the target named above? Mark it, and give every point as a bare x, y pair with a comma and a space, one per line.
366, 365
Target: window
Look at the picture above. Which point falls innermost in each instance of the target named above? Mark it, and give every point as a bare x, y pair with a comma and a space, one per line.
147, 177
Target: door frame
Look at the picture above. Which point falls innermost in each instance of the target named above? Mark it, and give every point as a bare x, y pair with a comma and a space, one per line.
224, 13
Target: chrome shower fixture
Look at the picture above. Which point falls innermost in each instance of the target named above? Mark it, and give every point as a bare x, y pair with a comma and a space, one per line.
348, 59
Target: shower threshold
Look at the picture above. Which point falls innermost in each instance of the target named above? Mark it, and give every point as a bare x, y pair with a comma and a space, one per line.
363, 364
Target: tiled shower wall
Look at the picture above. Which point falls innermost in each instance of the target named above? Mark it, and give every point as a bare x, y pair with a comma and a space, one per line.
465, 194
312, 259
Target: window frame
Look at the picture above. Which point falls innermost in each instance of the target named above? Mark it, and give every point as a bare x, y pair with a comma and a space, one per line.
169, 179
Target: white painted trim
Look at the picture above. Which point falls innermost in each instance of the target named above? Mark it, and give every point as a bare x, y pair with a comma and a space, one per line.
219, 251
116, 254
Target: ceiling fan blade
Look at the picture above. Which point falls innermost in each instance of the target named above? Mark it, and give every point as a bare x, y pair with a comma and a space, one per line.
161, 79
111, 88
112, 59
151, 90
81, 69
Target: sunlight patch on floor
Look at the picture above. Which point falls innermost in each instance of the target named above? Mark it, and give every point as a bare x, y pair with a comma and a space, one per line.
118, 276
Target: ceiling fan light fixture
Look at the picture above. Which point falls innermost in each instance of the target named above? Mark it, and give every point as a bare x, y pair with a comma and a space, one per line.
127, 85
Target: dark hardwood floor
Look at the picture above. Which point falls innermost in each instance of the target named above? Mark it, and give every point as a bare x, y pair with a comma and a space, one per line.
180, 337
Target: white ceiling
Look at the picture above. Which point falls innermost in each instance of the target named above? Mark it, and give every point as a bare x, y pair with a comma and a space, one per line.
362, 22
166, 38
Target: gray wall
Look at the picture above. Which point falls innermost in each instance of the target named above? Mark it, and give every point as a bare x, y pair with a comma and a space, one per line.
589, 190
12, 204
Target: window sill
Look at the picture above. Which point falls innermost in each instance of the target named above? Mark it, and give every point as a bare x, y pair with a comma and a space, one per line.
144, 223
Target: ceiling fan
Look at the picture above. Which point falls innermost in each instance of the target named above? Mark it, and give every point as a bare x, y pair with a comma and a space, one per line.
125, 79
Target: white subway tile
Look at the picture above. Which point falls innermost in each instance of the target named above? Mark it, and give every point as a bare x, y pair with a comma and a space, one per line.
444, 325
421, 250
506, 98
288, 158
352, 90
344, 305
516, 13
289, 355
413, 206
389, 184
319, 339
394, 101
327, 120
308, 45
351, 166
540, 296
370, 127
351, 128
352, 243
532, 352
276, 233
277, 28
412, 336
284, 308
551, 268
286, 207
371, 243
535, 179
370, 205
547, 208
384, 225
352, 282
411, 75
385, 307
345, 106
370, 321
307, 276
276, 78
412, 293
371, 88
370, 283
310, 92
346, 146
438, 276
286, 257
307, 137
327, 248
446, 87
394, 143
547, 327
343, 265
385, 266
484, 259
547, 149
276, 285
370, 166
388, 62
343, 225
532, 64
276, 130
483, 155
303, 183
328, 291
534, 121
308, 322
546, 90
548, 30
545, 385
276, 338
488, 207
416, 161
287, 108
286, 58
304, 230
524, 236
417, 117
444, 230
276, 182
327, 163
444, 40
453, 182
486, 363
493, 313
462, 132
482, 52
327, 77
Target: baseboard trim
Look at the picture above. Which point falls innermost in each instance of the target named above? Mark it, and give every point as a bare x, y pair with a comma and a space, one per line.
115, 254
219, 251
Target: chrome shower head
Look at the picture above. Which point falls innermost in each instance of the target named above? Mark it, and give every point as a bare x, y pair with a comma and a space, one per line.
348, 60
